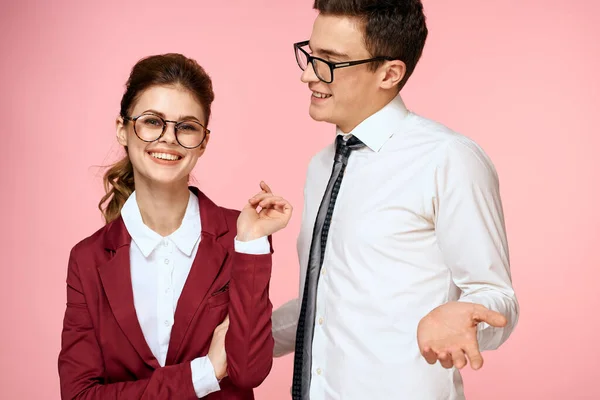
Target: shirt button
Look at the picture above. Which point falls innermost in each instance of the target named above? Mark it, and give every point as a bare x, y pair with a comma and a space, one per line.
166, 260
167, 290
319, 371
167, 323
323, 271
320, 321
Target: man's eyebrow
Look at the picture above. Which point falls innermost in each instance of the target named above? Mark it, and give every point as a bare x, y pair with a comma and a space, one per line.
328, 52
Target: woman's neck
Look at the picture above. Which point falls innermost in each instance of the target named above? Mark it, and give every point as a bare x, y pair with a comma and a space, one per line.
162, 206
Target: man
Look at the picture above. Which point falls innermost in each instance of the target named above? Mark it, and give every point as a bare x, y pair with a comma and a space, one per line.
403, 252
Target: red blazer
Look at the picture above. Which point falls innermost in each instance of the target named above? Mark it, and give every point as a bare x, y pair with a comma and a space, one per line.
104, 354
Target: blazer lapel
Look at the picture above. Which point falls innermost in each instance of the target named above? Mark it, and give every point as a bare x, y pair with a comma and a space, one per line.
205, 268
116, 280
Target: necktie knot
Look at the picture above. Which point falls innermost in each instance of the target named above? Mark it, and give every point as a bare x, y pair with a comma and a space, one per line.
343, 148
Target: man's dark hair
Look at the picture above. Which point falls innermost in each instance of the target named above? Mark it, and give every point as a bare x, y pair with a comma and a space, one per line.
393, 28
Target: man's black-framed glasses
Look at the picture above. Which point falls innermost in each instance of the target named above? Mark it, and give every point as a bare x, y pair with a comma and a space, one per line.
151, 127
323, 68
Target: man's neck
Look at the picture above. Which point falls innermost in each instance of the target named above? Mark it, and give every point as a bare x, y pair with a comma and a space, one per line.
378, 105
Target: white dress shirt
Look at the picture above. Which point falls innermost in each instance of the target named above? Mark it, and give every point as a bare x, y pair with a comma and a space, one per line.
418, 222
159, 268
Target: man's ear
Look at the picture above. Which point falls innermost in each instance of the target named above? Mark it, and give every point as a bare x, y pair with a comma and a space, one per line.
393, 73
121, 131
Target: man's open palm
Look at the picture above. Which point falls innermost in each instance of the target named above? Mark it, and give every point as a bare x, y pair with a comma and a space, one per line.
449, 333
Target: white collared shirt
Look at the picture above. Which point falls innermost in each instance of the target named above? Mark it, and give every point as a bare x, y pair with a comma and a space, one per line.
418, 222
159, 268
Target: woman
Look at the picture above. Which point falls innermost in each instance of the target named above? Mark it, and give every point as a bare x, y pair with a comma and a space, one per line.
169, 300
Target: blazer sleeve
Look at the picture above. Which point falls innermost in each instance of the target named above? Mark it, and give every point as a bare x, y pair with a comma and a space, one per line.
81, 366
249, 341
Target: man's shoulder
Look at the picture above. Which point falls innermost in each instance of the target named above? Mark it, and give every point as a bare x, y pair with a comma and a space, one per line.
423, 129
449, 143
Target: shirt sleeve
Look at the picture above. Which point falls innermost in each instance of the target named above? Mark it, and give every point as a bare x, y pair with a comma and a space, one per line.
471, 233
203, 377
254, 247
285, 322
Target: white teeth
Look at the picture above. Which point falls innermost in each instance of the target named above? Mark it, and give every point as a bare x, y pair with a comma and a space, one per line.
321, 95
165, 156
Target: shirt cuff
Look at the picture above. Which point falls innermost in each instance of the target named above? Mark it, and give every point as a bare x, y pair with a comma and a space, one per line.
255, 247
203, 377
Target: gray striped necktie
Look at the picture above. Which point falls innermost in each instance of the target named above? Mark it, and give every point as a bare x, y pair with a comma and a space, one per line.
306, 320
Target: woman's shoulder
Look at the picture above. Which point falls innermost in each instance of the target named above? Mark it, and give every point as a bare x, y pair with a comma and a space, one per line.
103, 239
229, 213
214, 212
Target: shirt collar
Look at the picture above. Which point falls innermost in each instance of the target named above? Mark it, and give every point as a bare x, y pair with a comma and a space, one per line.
379, 127
185, 237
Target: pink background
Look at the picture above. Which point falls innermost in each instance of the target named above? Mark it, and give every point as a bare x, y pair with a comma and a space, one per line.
518, 76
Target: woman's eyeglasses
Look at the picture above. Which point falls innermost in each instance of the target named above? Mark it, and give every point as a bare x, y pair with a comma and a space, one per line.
150, 127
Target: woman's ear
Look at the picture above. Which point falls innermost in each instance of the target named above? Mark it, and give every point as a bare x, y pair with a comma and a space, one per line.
206, 139
121, 131
203, 146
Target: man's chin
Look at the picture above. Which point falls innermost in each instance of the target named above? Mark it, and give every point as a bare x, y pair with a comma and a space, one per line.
318, 115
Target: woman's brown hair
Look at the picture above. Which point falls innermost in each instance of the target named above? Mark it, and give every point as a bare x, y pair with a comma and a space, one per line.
159, 70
